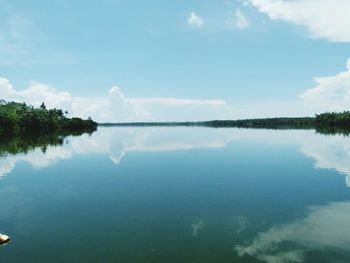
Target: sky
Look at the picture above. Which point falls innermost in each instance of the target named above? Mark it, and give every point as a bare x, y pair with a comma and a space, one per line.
119, 61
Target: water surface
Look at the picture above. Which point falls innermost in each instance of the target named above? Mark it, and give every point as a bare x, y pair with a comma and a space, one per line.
179, 194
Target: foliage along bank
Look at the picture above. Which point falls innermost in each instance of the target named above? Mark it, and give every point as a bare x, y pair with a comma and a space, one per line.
22, 119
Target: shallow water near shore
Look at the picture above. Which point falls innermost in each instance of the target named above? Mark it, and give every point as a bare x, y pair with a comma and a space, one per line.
179, 194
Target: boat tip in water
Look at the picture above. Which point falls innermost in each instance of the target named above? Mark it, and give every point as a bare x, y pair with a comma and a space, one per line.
4, 239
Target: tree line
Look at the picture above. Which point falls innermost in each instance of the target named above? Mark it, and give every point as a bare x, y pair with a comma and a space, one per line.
20, 118
326, 123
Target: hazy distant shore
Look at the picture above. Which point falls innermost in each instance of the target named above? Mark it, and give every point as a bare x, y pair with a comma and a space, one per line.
327, 123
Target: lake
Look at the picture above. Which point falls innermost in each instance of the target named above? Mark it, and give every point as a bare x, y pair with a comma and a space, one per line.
177, 195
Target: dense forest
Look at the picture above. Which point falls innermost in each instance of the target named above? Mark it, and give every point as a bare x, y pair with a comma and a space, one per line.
271, 123
20, 119
332, 123
326, 123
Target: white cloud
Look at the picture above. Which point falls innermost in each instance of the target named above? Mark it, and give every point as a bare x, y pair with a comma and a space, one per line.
330, 93
325, 227
241, 21
38, 93
237, 21
112, 107
185, 109
6, 89
115, 107
323, 18
194, 20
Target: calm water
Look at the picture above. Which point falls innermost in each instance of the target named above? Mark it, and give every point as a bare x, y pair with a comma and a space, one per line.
179, 195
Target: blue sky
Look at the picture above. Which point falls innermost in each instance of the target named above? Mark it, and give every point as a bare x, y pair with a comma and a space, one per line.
244, 53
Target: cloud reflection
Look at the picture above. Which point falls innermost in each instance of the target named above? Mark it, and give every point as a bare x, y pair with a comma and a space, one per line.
329, 152
324, 227
117, 142
36, 158
196, 227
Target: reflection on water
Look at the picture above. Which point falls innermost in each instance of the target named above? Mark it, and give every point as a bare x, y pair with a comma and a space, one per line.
324, 227
196, 227
329, 152
117, 142
241, 224
37, 158
186, 195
